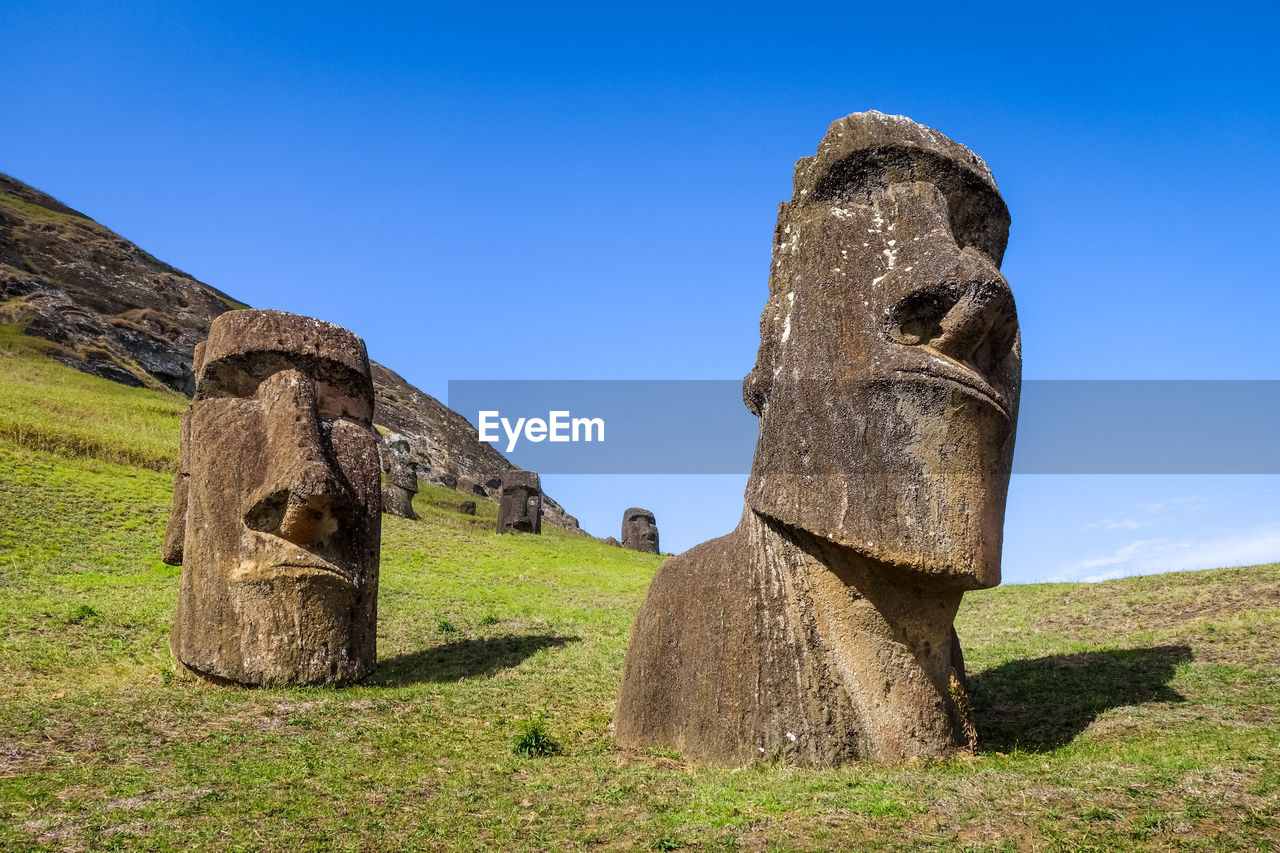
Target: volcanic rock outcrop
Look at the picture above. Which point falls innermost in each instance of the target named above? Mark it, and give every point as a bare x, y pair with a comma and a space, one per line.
887, 385
276, 508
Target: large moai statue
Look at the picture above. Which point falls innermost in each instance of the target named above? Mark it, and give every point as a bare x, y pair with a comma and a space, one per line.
402, 476
276, 508
887, 385
639, 530
520, 507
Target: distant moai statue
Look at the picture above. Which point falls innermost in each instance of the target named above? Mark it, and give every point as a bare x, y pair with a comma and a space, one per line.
611, 542
887, 386
467, 507
276, 508
520, 508
402, 476
639, 531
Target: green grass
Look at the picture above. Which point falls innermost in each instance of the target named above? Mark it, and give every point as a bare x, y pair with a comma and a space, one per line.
1136, 714
29, 210
47, 406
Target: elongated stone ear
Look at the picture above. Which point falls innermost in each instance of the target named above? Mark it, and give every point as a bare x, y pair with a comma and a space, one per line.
175, 534
754, 392
757, 385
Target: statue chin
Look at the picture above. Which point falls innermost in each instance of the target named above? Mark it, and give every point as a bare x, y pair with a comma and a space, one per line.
917, 483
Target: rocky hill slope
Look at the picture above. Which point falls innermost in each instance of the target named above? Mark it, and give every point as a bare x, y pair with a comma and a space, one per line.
112, 310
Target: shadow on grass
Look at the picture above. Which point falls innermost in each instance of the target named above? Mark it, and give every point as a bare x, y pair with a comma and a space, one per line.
462, 659
1043, 703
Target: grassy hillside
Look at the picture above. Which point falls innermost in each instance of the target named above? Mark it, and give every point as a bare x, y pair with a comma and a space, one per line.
1135, 714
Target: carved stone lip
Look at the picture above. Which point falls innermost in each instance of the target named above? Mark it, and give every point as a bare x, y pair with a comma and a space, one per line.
972, 385
300, 568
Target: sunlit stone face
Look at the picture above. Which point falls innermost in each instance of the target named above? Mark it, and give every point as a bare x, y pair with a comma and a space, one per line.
888, 374
277, 507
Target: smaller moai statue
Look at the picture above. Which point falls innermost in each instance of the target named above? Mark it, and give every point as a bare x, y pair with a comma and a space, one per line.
402, 476
639, 531
467, 507
611, 542
520, 509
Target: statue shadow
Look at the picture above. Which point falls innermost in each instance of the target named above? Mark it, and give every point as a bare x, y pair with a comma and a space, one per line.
461, 659
1043, 703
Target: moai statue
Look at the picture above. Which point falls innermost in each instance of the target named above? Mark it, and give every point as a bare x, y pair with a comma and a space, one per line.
520, 508
639, 531
467, 507
402, 476
887, 386
611, 542
276, 507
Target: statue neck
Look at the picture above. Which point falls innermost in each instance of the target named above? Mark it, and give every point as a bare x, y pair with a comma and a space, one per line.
888, 636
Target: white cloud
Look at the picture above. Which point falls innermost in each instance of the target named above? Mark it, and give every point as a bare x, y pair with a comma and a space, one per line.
1189, 502
1113, 524
1152, 556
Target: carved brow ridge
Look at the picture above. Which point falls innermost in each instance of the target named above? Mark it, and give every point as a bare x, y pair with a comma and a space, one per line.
238, 374
876, 168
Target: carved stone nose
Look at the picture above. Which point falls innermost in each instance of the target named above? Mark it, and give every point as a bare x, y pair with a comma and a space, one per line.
980, 328
306, 521
302, 498
974, 324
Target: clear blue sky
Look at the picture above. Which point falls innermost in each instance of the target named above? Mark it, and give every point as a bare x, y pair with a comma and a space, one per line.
533, 192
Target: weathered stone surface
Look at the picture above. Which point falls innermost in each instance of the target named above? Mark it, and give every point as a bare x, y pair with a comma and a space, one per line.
402, 476
276, 518
467, 507
520, 508
887, 388
639, 530
611, 542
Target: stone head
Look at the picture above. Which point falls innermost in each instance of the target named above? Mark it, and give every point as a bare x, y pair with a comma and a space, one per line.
520, 507
889, 367
397, 463
276, 515
639, 530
